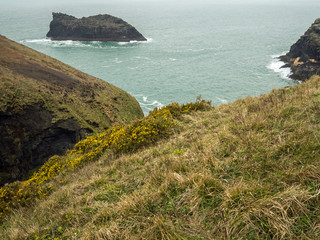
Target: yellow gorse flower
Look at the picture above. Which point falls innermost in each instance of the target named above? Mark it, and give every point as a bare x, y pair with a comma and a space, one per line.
120, 139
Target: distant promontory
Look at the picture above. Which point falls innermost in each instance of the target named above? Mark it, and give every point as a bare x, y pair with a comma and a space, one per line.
304, 56
104, 28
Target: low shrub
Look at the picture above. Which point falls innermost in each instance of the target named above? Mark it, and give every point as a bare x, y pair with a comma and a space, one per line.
157, 125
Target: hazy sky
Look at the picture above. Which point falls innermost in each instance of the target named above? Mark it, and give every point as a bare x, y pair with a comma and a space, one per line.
42, 2
173, 4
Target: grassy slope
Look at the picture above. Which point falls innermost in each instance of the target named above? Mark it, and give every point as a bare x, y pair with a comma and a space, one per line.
246, 170
29, 77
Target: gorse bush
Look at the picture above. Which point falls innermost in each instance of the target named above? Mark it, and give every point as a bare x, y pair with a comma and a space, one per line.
245, 170
158, 124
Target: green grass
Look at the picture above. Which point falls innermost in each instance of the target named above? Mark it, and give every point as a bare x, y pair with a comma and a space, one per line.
245, 170
29, 77
120, 139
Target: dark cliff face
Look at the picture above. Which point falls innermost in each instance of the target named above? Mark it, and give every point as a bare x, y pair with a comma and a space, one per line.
95, 28
47, 106
304, 55
30, 137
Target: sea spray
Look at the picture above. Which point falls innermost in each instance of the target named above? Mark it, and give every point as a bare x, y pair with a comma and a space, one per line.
277, 66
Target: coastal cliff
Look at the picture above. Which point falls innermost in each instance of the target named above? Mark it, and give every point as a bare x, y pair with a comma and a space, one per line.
242, 170
304, 56
47, 106
95, 28
245, 170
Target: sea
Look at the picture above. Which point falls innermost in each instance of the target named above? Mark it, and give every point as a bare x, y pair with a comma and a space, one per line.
220, 50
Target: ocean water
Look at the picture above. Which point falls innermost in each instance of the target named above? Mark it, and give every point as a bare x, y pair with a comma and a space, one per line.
221, 50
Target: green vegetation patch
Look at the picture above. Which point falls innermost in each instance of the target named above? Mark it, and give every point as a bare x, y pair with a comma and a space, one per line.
157, 125
246, 170
28, 77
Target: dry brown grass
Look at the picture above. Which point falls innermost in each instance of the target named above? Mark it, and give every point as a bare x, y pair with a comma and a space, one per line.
246, 170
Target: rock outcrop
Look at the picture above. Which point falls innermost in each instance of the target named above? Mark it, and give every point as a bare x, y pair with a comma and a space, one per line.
47, 106
95, 28
29, 137
304, 56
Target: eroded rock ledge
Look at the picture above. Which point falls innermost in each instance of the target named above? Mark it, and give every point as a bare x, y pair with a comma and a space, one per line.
304, 56
95, 28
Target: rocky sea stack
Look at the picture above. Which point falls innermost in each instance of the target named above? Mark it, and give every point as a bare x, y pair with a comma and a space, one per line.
304, 55
47, 106
104, 28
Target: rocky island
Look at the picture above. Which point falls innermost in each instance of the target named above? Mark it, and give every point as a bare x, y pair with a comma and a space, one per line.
47, 106
304, 56
104, 28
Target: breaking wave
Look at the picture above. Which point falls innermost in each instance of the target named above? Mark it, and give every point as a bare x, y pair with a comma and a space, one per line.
223, 101
133, 42
147, 104
276, 65
85, 44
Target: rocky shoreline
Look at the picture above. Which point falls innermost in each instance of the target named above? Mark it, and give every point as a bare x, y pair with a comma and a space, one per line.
304, 56
105, 28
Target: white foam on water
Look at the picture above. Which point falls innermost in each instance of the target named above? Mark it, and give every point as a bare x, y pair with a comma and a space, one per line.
276, 65
154, 103
223, 101
172, 59
63, 43
133, 68
45, 40
125, 43
196, 50
146, 104
135, 41
149, 40
87, 44
145, 58
116, 60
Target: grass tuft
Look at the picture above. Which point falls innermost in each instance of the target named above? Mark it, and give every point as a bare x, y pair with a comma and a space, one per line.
245, 170
119, 140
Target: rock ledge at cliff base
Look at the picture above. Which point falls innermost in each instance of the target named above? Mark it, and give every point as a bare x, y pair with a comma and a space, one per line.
304, 56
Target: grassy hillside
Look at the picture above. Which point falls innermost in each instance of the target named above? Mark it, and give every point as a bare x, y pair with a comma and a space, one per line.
29, 77
246, 170
47, 106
